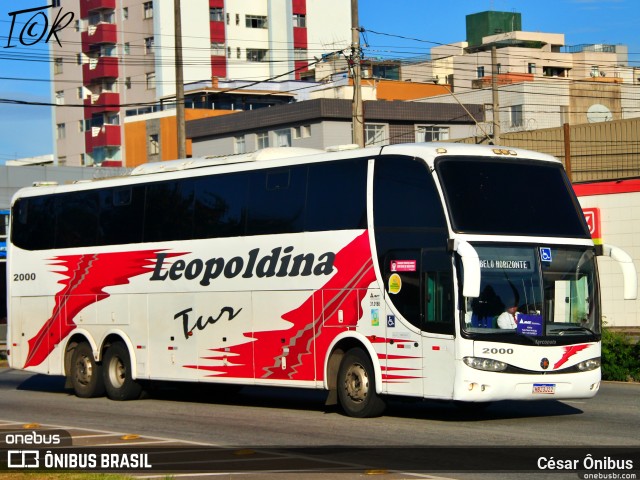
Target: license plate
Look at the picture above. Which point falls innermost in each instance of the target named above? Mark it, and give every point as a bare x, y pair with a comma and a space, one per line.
544, 388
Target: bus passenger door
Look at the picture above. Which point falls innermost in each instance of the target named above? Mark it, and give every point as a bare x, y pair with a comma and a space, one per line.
438, 333
402, 366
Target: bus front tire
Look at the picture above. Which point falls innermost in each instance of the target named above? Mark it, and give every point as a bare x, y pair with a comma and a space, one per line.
85, 373
357, 386
117, 374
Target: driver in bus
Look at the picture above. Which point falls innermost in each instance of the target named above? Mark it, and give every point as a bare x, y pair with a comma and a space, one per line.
509, 318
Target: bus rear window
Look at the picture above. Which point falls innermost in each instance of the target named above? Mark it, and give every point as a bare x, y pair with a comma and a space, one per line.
510, 197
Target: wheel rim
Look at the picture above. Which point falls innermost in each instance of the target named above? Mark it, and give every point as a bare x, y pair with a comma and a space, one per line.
84, 370
117, 372
356, 383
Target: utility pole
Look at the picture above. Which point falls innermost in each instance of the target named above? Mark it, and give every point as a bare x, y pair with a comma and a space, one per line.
494, 91
357, 116
180, 122
566, 129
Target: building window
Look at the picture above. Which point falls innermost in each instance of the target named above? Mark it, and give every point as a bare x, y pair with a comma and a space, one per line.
375, 134
216, 15
154, 144
531, 68
81, 126
239, 145
303, 131
127, 48
148, 45
516, 116
238, 52
256, 21
498, 68
217, 49
480, 71
262, 140
256, 55
60, 97
80, 93
148, 9
125, 13
228, 52
57, 65
127, 83
283, 137
299, 20
79, 59
430, 133
237, 19
61, 131
227, 19
151, 80
595, 71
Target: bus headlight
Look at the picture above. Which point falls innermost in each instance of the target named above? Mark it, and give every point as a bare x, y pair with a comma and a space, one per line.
485, 364
590, 364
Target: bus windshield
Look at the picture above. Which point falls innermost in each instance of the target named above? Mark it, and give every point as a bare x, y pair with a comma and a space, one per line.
535, 291
509, 196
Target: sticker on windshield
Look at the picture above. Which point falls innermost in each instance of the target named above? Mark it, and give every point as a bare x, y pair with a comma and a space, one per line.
395, 283
545, 254
403, 265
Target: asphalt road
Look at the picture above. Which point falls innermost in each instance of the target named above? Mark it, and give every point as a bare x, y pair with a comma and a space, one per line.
268, 417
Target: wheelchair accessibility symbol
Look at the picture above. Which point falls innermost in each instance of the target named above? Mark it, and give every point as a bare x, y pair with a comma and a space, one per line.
545, 254
391, 321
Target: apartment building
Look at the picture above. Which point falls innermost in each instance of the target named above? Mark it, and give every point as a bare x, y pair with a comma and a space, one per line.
542, 82
118, 59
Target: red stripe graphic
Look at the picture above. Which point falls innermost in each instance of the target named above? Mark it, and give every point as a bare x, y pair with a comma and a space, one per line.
307, 332
86, 277
568, 353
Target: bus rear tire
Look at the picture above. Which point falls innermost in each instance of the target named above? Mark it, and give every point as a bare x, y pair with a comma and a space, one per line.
357, 386
117, 374
85, 373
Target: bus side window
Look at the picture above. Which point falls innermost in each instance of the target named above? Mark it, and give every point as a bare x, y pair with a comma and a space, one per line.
121, 214
77, 219
221, 205
169, 211
277, 200
438, 303
33, 223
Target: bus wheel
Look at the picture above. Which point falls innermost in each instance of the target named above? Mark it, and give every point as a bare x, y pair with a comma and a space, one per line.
357, 386
117, 374
85, 373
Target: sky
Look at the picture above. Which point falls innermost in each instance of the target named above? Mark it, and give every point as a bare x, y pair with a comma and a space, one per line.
399, 29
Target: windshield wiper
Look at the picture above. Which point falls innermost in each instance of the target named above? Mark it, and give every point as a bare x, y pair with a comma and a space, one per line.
561, 331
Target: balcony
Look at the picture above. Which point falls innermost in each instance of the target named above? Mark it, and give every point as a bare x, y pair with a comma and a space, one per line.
101, 67
87, 6
105, 136
104, 102
99, 34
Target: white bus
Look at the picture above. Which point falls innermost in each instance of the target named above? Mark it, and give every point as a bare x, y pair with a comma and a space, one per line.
367, 273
